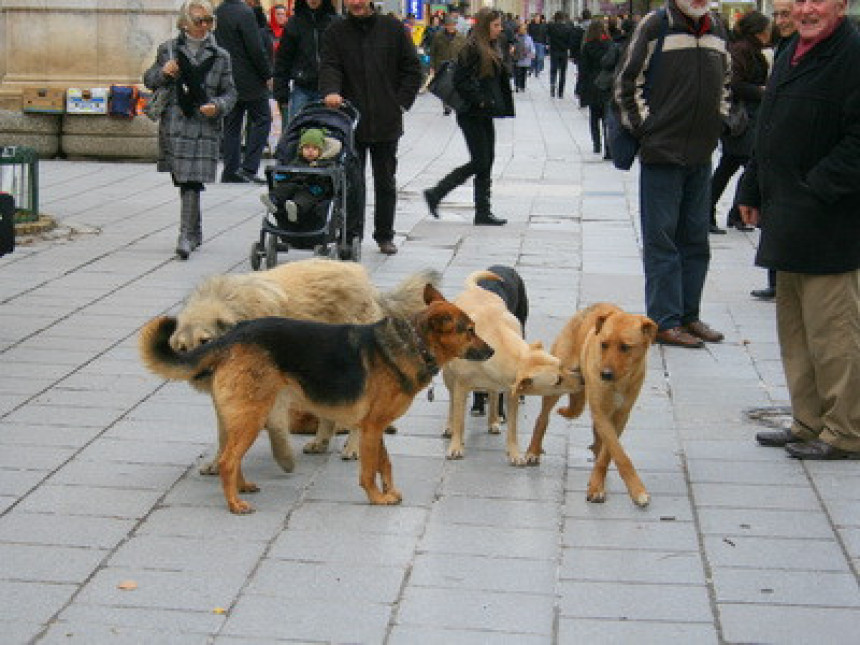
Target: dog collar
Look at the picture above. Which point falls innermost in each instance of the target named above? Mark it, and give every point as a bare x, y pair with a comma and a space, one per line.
426, 355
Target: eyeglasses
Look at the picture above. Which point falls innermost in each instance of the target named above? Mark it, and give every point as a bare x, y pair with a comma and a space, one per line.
203, 20
781, 14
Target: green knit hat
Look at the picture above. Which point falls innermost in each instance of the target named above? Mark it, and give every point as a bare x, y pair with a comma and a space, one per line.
313, 137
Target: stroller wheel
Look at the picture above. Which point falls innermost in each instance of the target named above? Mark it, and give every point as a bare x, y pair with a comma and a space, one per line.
255, 255
271, 251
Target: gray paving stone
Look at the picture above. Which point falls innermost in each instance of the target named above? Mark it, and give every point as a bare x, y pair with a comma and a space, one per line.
624, 534
466, 610
90, 500
757, 522
773, 553
48, 563
408, 635
63, 530
763, 586
532, 544
343, 549
624, 566
620, 632
34, 601
749, 623
482, 573
663, 602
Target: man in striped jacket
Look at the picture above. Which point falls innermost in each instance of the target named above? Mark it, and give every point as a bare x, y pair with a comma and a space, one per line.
672, 91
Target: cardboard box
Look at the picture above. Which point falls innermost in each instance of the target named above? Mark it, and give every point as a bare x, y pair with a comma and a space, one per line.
45, 100
92, 100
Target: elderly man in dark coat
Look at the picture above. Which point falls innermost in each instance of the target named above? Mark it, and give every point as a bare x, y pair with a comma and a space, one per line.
803, 188
237, 31
370, 60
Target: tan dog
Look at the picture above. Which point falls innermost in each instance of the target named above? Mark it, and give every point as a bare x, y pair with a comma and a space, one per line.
516, 368
361, 376
315, 289
610, 346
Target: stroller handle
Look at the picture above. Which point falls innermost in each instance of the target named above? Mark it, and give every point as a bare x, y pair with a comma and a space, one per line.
346, 106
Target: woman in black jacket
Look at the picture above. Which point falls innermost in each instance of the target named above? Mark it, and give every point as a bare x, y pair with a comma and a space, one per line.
483, 80
749, 75
596, 45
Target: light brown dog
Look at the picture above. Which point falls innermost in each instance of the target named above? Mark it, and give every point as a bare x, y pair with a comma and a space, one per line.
360, 376
516, 368
610, 346
314, 289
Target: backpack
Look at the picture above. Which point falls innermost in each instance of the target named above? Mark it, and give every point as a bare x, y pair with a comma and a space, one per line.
122, 101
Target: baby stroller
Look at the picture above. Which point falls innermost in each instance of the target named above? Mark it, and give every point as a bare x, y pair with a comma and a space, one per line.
336, 235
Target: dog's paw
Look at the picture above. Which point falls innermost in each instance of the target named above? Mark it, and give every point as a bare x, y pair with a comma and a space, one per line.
516, 460
390, 498
566, 412
287, 464
596, 497
455, 452
249, 487
495, 427
642, 499
316, 447
477, 413
348, 453
241, 507
532, 459
209, 468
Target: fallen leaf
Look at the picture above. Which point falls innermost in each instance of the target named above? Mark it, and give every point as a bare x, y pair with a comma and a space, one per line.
127, 585
219, 610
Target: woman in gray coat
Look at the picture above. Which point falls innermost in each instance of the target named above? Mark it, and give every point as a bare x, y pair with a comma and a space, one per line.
201, 91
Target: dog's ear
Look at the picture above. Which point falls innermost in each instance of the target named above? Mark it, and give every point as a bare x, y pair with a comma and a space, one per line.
599, 322
431, 294
649, 329
536, 345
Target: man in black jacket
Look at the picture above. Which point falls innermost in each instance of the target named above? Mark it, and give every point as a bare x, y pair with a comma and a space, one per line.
558, 37
298, 57
678, 121
803, 188
237, 32
370, 60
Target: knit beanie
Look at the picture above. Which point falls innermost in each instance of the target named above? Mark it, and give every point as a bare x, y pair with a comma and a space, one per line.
313, 137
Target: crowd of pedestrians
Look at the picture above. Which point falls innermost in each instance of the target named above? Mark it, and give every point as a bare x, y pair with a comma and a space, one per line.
780, 100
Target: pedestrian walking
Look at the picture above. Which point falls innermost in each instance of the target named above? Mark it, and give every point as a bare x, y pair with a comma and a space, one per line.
444, 47
195, 72
237, 31
370, 60
483, 80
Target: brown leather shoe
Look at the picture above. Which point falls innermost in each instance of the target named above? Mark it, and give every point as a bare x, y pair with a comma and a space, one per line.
679, 338
387, 248
701, 330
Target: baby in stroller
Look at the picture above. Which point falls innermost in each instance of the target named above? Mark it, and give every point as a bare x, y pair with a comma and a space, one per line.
300, 197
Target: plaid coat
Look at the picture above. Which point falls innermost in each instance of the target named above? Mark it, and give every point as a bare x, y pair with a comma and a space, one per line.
188, 148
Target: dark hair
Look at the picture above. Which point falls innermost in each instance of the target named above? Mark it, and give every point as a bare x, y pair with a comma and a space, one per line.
489, 52
595, 30
751, 24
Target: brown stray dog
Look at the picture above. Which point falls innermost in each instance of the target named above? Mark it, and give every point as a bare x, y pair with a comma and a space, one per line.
610, 346
360, 376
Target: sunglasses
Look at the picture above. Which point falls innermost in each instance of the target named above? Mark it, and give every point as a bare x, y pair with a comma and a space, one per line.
781, 14
204, 20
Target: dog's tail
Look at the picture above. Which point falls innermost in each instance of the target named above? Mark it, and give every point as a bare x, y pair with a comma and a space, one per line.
407, 298
473, 278
159, 357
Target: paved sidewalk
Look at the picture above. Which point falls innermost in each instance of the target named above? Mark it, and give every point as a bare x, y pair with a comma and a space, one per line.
98, 459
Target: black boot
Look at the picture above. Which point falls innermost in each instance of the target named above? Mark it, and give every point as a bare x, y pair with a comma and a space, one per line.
186, 221
483, 214
433, 196
196, 233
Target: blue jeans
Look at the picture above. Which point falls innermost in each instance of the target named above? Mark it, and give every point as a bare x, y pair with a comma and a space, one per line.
300, 97
674, 204
537, 63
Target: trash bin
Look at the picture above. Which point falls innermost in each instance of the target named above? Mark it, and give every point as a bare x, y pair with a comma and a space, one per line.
19, 177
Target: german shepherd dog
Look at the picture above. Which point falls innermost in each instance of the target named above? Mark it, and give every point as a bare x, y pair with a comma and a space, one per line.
360, 376
610, 347
512, 290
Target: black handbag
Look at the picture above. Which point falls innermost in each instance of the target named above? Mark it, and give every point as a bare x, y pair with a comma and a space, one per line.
738, 119
442, 86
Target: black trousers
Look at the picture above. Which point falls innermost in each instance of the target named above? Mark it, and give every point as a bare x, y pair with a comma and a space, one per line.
728, 166
558, 72
259, 123
597, 123
520, 74
480, 135
383, 159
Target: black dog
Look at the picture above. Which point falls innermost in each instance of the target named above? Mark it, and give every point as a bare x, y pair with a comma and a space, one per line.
512, 290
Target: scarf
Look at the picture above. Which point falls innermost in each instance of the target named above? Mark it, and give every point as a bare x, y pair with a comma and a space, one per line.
191, 84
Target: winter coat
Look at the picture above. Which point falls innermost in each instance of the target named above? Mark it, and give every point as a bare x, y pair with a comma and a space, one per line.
749, 74
372, 62
682, 119
488, 96
559, 36
589, 67
189, 147
537, 30
298, 57
237, 31
804, 176
445, 47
